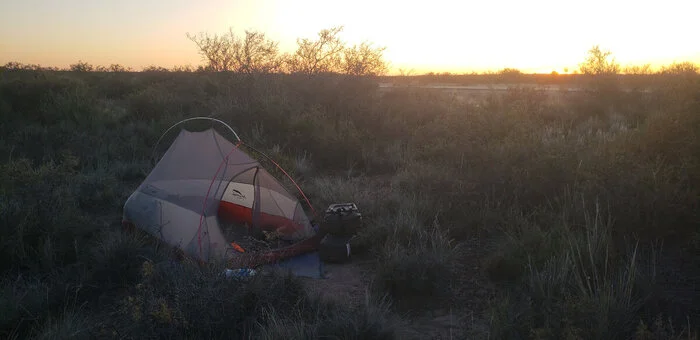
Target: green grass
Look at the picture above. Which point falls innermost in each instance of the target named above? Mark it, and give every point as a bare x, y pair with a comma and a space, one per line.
571, 195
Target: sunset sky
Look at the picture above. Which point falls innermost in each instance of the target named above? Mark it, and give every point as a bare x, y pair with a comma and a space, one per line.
454, 36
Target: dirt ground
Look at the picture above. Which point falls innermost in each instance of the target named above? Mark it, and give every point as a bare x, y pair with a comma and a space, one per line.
346, 283
463, 318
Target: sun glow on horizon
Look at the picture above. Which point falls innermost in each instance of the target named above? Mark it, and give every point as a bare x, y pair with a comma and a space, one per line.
436, 36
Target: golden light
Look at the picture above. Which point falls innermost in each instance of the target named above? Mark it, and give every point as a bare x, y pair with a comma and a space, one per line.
439, 36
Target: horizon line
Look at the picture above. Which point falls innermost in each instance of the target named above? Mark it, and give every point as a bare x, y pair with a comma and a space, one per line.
395, 71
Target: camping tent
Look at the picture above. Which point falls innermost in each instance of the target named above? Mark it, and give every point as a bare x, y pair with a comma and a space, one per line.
204, 180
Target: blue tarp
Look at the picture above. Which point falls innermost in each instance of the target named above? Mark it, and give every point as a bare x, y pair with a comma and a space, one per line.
306, 265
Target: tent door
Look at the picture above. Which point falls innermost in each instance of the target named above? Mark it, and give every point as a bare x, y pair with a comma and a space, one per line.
255, 229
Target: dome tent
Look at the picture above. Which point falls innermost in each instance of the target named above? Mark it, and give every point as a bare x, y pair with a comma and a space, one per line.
203, 181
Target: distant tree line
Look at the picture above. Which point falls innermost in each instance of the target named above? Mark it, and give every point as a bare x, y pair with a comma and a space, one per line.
602, 63
255, 53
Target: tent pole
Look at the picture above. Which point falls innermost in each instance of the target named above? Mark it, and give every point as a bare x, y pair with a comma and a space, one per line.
288, 176
191, 119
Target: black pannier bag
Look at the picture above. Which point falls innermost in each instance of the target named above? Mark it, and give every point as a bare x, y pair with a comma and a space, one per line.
334, 249
341, 222
341, 219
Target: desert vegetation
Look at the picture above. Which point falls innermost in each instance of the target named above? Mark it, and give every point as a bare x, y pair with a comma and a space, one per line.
525, 217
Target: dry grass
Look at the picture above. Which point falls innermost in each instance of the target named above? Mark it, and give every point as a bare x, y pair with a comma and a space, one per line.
573, 191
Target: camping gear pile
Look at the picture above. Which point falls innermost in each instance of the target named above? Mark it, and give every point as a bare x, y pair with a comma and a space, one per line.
212, 201
340, 223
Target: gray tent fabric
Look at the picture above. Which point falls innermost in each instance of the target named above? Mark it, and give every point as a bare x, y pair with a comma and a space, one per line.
179, 200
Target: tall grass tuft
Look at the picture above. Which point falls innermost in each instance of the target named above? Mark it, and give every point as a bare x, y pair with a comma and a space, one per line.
69, 325
418, 266
372, 320
585, 285
116, 257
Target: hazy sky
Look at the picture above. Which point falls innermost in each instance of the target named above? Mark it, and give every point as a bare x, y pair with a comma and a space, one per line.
456, 36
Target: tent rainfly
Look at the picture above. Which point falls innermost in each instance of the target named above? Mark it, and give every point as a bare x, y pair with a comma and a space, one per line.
204, 181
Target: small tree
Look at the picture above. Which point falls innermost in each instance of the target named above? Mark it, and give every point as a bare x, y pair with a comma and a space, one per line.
13, 65
638, 69
254, 53
318, 56
154, 68
678, 78
216, 50
182, 68
682, 68
257, 54
602, 70
16, 66
406, 73
509, 74
81, 66
329, 54
509, 71
118, 68
598, 62
364, 60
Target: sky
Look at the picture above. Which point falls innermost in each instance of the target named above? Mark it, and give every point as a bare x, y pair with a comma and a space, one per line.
423, 36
